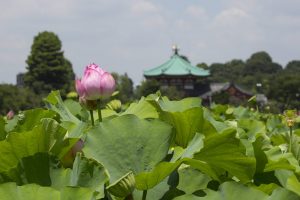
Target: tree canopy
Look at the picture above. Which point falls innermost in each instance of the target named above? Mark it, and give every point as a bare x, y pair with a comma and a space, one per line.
47, 67
16, 98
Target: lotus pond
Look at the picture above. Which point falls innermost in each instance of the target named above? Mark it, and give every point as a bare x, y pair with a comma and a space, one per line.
155, 149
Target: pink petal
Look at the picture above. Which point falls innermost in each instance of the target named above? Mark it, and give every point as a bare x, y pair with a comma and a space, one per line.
93, 66
79, 88
91, 83
107, 84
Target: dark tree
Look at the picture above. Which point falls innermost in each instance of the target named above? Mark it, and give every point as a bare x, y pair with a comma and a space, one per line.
47, 67
17, 98
147, 87
285, 90
293, 66
261, 62
203, 65
228, 72
124, 85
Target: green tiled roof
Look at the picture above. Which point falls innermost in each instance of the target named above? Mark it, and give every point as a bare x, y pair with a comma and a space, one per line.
176, 66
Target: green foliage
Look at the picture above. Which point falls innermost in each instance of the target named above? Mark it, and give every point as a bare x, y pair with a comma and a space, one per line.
48, 69
124, 85
147, 87
278, 84
171, 149
17, 99
285, 89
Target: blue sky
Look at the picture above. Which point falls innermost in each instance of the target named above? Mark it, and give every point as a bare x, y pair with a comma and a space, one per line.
134, 35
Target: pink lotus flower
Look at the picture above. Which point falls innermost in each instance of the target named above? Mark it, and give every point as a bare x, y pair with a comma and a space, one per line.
95, 83
10, 115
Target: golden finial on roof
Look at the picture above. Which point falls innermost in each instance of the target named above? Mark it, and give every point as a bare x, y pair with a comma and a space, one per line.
175, 49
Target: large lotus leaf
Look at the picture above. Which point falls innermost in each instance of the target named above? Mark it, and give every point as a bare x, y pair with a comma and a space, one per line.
191, 180
242, 113
85, 173
162, 191
45, 137
218, 125
296, 147
236, 191
27, 120
186, 124
11, 124
10, 191
279, 160
274, 125
261, 158
30, 169
55, 103
288, 180
37, 168
195, 145
76, 109
229, 191
143, 109
225, 151
127, 143
75, 130
179, 106
253, 128
148, 180
282, 194
267, 188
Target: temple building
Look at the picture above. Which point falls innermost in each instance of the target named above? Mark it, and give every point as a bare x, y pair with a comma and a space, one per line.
226, 93
180, 73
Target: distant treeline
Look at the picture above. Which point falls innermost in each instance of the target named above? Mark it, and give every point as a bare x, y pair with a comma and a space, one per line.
48, 69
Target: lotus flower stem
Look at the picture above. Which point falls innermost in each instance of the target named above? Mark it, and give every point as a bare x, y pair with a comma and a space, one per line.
99, 110
144, 195
92, 117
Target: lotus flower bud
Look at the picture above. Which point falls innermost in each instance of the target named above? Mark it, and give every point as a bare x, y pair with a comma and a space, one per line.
10, 115
290, 117
69, 157
95, 83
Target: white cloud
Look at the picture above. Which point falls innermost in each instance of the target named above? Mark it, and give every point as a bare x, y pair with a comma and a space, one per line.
142, 7
231, 17
196, 11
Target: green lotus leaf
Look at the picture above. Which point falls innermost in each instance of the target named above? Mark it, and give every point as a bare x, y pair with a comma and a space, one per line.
85, 173
288, 180
10, 191
127, 143
143, 109
224, 151
191, 180
253, 128
148, 180
19, 147
27, 120
54, 102
179, 106
185, 124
